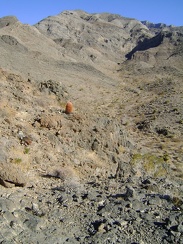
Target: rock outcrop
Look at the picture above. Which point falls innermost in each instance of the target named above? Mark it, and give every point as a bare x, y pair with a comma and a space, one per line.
11, 175
8, 20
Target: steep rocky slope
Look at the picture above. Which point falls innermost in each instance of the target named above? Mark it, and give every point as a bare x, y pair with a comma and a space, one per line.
93, 38
110, 172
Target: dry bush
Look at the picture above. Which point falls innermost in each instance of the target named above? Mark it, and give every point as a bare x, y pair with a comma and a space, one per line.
50, 121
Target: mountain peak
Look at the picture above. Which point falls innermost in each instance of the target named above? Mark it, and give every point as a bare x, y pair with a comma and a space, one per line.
8, 20
152, 25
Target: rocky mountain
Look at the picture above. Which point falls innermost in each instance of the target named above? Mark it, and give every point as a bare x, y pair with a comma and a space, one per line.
111, 170
151, 25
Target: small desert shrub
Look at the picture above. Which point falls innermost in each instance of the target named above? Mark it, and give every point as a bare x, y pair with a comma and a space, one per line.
177, 201
26, 150
166, 157
49, 121
62, 104
156, 166
17, 160
180, 121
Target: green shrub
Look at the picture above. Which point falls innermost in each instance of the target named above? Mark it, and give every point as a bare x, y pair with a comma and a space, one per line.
17, 160
26, 150
156, 166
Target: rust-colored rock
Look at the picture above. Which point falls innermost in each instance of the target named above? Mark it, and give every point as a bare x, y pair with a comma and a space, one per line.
68, 108
27, 140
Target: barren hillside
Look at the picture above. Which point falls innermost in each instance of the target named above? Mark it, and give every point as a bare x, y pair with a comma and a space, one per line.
111, 171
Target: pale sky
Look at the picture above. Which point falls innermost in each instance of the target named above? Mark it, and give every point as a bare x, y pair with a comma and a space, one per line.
156, 11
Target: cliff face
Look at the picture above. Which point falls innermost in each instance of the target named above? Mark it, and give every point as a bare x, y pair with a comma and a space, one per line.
164, 47
154, 26
147, 44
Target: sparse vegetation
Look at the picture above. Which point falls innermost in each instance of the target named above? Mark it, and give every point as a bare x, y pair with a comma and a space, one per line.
26, 150
153, 165
17, 160
178, 202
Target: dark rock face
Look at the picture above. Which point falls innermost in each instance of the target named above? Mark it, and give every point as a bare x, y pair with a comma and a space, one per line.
10, 40
147, 44
54, 87
152, 25
157, 40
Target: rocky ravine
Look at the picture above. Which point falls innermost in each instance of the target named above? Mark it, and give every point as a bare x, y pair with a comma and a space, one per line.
110, 172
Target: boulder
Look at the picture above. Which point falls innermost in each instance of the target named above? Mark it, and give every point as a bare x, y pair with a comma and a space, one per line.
11, 175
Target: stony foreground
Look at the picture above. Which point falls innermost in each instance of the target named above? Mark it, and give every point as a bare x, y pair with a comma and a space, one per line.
97, 212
